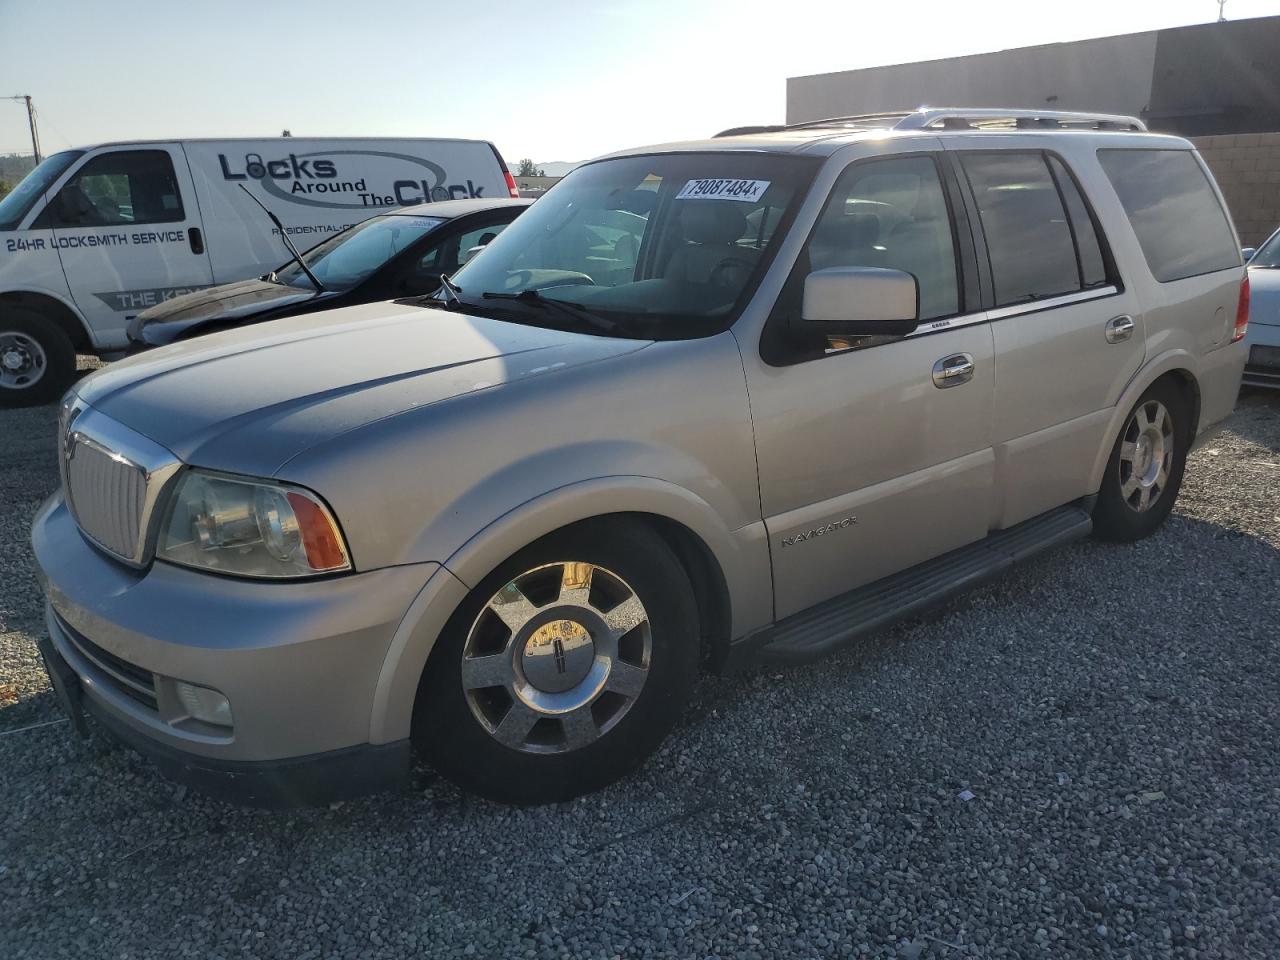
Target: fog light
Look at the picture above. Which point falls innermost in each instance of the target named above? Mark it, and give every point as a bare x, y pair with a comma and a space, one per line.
204, 704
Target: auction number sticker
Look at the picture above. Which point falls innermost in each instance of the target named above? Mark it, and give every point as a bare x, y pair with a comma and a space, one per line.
748, 191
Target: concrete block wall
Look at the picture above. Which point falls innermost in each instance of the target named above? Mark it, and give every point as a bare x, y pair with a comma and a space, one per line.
1247, 168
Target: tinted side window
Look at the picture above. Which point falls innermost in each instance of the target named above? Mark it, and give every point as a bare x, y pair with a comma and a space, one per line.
127, 187
1180, 224
891, 213
1093, 269
1025, 225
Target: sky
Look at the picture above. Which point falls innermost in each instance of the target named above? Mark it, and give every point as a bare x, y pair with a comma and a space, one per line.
548, 79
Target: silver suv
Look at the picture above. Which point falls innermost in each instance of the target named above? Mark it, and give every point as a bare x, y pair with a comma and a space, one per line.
746, 397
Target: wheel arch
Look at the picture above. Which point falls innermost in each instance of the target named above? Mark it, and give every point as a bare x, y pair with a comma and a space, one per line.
58, 311
1176, 366
729, 571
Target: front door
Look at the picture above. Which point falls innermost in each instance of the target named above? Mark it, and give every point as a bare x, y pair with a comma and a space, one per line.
127, 227
870, 460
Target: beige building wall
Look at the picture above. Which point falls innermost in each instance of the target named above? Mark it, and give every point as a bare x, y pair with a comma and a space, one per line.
1247, 168
1109, 74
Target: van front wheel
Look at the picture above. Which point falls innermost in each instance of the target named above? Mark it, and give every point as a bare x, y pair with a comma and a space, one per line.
564, 669
37, 360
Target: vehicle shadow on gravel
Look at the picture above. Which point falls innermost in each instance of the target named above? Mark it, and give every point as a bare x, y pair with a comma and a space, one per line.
1257, 417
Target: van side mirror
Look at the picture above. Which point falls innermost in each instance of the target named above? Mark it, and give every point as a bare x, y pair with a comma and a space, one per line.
1247, 253
860, 301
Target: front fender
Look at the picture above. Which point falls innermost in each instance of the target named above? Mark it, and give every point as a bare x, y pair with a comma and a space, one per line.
742, 555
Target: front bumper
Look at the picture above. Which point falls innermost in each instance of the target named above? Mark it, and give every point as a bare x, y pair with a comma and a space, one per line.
299, 663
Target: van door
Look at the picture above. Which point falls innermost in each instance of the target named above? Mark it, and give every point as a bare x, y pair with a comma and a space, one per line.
1068, 339
127, 227
872, 460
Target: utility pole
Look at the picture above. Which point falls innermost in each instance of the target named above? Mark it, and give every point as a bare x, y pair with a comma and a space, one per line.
31, 120
1222, 17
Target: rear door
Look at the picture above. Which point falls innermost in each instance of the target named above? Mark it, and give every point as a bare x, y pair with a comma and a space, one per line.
1068, 335
127, 227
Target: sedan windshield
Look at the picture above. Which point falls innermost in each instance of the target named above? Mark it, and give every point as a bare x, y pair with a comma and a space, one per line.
666, 246
1268, 255
31, 188
348, 257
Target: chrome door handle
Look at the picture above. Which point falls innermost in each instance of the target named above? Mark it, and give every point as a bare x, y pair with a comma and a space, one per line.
1119, 329
953, 370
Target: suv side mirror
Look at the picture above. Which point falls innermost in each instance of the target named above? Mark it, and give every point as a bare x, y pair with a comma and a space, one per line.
860, 301
1247, 253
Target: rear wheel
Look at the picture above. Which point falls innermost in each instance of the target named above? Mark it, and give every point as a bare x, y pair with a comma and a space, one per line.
564, 669
1145, 470
37, 360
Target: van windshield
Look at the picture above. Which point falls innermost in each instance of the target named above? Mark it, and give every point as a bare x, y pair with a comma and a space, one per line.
349, 257
665, 246
18, 203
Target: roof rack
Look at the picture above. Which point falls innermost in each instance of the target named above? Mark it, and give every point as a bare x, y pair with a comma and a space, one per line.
956, 118
959, 118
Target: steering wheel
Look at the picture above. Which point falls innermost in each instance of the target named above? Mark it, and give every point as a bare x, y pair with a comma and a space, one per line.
566, 278
719, 278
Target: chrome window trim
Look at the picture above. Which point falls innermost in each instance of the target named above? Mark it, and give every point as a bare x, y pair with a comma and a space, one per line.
158, 466
1032, 306
944, 324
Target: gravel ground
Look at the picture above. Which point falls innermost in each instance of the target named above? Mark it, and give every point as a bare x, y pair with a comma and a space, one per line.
1078, 760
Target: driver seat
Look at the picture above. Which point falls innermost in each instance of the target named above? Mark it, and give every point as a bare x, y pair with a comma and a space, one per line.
712, 229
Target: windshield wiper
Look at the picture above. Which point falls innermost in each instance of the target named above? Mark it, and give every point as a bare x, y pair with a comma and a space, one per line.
452, 289
574, 310
320, 287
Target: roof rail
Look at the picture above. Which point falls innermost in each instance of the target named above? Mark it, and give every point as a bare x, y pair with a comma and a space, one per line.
958, 118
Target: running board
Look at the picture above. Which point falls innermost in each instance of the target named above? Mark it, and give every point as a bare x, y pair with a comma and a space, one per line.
817, 631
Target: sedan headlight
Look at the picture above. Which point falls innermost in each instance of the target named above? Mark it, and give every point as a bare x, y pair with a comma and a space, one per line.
250, 528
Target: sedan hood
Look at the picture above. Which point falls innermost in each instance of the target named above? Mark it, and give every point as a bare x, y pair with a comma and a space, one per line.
1264, 296
250, 400
229, 301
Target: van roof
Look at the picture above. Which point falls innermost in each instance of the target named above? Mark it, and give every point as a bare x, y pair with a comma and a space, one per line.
281, 140
824, 137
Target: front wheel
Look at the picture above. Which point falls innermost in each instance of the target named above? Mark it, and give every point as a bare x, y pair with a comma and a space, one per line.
37, 360
564, 669
1145, 470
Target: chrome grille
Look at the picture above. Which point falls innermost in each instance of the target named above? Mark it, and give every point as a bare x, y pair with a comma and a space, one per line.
107, 495
113, 479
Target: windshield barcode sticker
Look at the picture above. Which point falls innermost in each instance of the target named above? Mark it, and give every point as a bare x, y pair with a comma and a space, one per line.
748, 191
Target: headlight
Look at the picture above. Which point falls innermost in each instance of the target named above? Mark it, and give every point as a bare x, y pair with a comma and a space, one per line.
250, 528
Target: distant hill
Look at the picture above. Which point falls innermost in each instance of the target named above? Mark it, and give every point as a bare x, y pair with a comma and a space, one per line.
13, 167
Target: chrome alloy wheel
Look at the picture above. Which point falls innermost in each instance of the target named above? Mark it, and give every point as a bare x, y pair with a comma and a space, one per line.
556, 657
22, 360
1146, 455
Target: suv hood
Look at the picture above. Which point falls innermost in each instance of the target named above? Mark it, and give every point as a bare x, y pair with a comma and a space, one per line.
251, 399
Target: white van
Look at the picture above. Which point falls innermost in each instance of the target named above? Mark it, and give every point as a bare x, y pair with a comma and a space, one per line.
93, 236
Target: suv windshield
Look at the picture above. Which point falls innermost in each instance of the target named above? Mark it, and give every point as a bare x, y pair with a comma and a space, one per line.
348, 257
16, 204
1268, 254
666, 246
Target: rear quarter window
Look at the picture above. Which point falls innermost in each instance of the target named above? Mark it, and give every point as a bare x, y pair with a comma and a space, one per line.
1181, 226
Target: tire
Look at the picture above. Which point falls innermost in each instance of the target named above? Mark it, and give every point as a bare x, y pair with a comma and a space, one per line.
37, 360
1143, 473
482, 738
